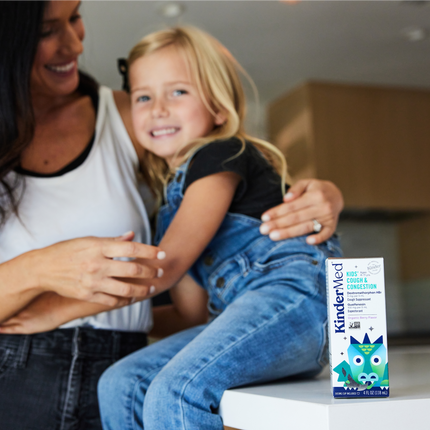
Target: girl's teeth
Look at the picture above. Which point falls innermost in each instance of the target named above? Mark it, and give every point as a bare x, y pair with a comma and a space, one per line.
62, 69
163, 132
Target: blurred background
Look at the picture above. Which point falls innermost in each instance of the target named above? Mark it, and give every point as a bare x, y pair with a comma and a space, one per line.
344, 91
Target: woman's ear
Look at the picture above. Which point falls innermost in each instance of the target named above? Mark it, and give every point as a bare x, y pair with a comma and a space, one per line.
220, 118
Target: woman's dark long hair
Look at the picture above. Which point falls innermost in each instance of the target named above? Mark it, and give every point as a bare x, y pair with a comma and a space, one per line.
20, 28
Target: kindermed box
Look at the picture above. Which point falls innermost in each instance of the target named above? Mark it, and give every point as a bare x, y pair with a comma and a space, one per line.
357, 327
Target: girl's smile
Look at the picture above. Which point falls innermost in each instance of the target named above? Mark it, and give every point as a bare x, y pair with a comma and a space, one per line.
167, 110
164, 131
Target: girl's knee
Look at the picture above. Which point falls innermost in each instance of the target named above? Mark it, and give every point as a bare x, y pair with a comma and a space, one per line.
177, 388
108, 385
166, 389
160, 390
120, 398
164, 402
117, 380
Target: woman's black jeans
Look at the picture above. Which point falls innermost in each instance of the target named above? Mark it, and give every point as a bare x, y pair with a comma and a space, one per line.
48, 381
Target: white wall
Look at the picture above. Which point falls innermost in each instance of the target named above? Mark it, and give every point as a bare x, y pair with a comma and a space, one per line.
378, 239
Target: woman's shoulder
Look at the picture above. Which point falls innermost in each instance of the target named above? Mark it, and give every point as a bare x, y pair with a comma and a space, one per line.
122, 102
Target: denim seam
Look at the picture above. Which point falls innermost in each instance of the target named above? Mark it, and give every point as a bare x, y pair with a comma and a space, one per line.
4, 363
136, 388
70, 378
116, 346
23, 351
266, 267
221, 294
227, 349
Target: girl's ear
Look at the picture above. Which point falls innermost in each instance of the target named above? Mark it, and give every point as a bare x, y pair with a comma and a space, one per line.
220, 118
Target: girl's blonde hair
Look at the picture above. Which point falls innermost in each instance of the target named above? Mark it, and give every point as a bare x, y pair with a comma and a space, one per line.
216, 75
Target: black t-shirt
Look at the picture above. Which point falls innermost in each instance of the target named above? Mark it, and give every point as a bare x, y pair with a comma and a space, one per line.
260, 187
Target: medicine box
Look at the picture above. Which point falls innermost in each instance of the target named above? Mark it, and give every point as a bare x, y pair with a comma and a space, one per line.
357, 327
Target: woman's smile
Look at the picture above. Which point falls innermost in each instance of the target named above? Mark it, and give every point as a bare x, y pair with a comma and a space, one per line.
63, 68
55, 68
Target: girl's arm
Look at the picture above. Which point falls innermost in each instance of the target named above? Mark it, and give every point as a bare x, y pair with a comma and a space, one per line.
189, 309
203, 208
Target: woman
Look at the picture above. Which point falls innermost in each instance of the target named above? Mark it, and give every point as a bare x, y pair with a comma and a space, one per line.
70, 186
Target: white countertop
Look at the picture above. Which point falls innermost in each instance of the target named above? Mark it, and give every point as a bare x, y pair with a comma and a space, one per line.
309, 404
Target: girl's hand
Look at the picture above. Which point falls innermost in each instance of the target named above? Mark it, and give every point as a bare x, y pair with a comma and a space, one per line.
84, 269
307, 200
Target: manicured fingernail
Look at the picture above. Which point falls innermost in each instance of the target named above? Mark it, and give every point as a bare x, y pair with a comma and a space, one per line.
127, 234
133, 300
310, 240
160, 272
288, 195
161, 255
274, 235
265, 218
264, 229
151, 289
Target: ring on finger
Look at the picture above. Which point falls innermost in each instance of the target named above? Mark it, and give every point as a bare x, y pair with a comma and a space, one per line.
317, 226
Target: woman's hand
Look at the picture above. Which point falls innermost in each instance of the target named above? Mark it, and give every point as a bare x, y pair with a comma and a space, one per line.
37, 317
85, 269
307, 200
28, 321
82, 269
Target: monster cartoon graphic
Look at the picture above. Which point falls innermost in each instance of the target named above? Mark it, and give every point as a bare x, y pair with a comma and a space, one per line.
367, 367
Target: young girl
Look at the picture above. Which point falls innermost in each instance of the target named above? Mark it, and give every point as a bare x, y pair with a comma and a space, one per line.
266, 299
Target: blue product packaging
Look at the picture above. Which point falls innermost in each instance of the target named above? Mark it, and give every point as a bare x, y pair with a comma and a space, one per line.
357, 327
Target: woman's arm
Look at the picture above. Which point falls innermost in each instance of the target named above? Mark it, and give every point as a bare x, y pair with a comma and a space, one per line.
306, 200
49, 311
82, 269
18, 286
202, 211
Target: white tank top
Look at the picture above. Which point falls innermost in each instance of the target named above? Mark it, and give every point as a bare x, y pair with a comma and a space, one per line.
105, 197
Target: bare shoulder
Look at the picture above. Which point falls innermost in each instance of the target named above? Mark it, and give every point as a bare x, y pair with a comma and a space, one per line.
122, 101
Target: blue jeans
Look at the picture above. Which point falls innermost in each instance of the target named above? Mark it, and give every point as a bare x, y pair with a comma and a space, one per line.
276, 328
48, 381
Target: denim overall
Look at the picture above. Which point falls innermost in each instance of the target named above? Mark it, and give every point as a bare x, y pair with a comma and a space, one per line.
268, 303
